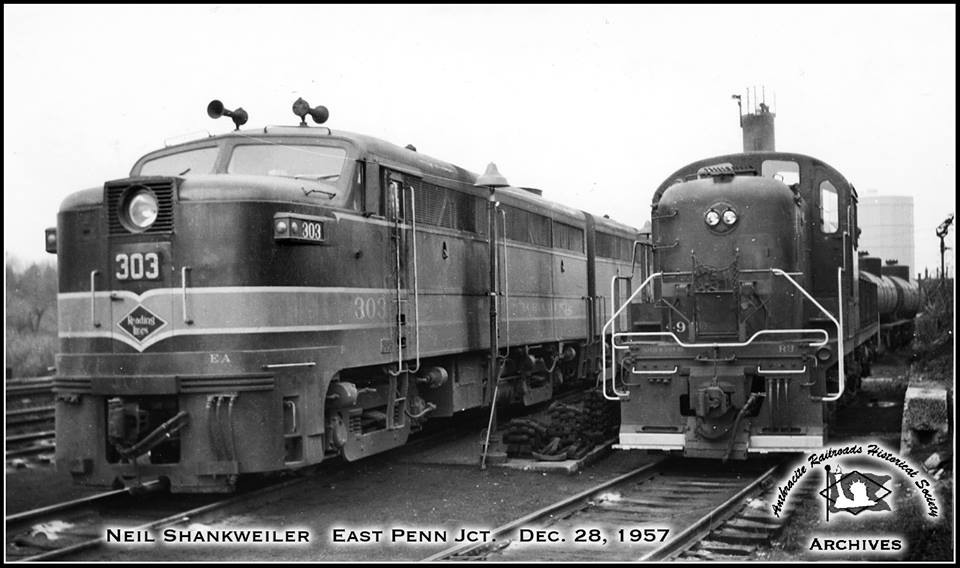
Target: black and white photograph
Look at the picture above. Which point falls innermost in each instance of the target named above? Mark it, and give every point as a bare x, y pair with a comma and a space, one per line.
443, 283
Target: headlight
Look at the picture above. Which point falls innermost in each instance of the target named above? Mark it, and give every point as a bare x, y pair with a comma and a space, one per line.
729, 217
824, 354
142, 209
712, 218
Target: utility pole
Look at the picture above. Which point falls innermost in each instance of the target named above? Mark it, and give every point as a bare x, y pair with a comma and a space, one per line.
942, 233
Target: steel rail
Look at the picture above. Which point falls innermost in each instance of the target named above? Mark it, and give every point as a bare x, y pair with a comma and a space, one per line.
169, 520
702, 528
467, 546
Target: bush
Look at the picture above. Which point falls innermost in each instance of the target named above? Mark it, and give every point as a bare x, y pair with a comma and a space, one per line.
935, 321
31, 319
30, 354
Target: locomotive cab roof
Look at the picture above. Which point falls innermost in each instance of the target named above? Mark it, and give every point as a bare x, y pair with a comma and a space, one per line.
364, 147
755, 164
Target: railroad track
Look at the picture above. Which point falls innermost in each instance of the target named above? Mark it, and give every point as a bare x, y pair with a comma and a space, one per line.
29, 417
62, 530
17, 389
30, 444
654, 512
28, 405
739, 536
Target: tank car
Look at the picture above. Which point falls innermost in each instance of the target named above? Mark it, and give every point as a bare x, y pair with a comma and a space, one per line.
748, 326
266, 299
901, 301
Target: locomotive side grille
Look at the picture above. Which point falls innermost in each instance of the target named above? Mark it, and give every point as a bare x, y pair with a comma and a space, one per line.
567, 237
232, 383
528, 227
446, 208
610, 246
163, 188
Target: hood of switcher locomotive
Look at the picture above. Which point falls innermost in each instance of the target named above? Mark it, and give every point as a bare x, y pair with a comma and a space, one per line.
199, 215
715, 240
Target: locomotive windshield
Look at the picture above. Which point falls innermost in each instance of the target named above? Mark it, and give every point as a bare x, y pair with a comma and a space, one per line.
785, 171
300, 161
192, 162
296, 161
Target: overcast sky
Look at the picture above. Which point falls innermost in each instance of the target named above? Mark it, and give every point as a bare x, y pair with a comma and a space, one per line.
595, 105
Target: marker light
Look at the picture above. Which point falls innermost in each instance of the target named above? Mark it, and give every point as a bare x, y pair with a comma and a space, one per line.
51, 239
729, 217
142, 209
296, 228
712, 218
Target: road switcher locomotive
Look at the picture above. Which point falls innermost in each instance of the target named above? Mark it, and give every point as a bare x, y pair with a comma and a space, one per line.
757, 315
269, 298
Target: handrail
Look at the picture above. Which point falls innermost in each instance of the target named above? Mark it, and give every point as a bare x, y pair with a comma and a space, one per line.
416, 277
93, 298
826, 336
796, 331
183, 292
840, 354
589, 319
614, 290
600, 307
416, 285
655, 371
396, 192
761, 371
293, 408
603, 345
506, 283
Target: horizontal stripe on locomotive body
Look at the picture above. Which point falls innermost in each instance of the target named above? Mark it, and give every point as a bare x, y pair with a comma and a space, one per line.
231, 243
254, 360
368, 315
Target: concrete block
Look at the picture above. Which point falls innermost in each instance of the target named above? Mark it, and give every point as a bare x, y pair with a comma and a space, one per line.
933, 462
925, 419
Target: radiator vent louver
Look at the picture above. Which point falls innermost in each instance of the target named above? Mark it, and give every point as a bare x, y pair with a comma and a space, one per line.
163, 188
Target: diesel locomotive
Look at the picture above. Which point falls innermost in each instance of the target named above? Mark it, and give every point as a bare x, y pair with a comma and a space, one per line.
758, 318
269, 298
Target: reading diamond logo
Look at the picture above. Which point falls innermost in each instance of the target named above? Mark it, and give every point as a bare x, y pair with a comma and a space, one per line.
855, 492
141, 323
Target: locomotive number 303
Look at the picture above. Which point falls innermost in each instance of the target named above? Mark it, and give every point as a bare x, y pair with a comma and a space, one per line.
370, 308
138, 266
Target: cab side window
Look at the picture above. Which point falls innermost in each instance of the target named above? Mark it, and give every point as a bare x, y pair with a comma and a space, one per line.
829, 208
